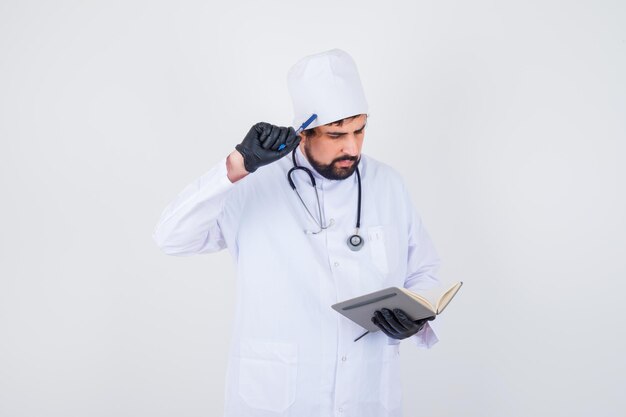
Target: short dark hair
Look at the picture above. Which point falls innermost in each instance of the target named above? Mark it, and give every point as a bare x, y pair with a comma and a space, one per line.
309, 133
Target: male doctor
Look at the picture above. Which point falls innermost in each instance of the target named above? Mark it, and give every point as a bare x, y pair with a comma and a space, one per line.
296, 254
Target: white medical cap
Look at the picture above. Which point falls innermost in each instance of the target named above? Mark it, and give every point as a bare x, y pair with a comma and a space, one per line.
328, 85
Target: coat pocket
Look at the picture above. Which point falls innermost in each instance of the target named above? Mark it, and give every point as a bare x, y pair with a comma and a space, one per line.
378, 248
390, 385
267, 374
384, 249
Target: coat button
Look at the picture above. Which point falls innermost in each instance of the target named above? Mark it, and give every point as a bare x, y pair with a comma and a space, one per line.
343, 358
336, 264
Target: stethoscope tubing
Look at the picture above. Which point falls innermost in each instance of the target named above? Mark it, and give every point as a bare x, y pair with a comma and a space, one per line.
322, 222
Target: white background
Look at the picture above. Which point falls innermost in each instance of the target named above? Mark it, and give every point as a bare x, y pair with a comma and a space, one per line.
507, 119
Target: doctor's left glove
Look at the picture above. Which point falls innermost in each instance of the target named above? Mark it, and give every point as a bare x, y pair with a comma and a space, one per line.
261, 145
396, 324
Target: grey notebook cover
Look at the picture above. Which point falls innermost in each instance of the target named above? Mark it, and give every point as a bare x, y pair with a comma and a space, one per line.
361, 309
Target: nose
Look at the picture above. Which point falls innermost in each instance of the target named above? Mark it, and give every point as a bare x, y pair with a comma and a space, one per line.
350, 145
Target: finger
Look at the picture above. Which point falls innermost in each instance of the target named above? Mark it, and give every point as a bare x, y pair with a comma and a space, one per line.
263, 130
293, 140
419, 325
266, 136
424, 320
404, 319
282, 138
394, 323
383, 322
292, 136
271, 138
383, 329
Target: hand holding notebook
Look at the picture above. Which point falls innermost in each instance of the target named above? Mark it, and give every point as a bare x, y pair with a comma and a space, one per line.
361, 309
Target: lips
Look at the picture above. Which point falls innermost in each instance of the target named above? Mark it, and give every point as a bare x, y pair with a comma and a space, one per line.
345, 164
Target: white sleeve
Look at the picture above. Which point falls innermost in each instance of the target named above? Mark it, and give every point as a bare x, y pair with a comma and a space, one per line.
427, 337
423, 263
189, 224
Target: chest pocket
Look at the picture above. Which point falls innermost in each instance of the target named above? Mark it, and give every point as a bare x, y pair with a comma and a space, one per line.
383, 248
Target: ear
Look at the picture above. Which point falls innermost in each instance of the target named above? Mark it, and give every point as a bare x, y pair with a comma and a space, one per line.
303, 138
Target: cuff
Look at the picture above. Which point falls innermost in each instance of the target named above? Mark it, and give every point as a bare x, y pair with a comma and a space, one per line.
426, 338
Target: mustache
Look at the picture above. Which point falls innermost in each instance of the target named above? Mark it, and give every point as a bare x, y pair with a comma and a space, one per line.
346, 158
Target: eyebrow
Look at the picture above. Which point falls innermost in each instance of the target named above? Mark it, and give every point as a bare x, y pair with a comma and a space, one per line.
345, 133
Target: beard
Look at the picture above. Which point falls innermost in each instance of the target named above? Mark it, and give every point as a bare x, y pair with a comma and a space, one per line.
332, 171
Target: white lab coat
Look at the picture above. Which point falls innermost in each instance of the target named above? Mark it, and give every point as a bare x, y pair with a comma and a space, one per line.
291, 354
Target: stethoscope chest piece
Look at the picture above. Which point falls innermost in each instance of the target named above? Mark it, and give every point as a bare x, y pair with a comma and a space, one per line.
355, 243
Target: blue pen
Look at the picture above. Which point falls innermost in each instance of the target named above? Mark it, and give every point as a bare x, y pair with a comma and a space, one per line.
301, 128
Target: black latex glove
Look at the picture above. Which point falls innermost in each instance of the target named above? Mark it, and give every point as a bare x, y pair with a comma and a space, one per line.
260, 146
396, 324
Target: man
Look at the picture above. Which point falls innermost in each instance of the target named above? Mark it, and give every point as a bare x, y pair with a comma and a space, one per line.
291, 354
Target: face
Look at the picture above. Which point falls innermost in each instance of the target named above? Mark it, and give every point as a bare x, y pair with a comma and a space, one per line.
335, 151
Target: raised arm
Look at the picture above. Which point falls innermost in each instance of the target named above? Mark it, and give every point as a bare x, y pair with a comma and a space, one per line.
190, 224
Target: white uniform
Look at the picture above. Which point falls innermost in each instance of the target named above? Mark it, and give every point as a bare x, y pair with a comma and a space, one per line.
291, 354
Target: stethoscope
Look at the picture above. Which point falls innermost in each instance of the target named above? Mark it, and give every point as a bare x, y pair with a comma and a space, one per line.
355, 241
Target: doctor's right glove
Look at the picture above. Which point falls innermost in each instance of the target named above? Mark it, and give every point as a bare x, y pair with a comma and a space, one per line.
396, 324
261, 144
